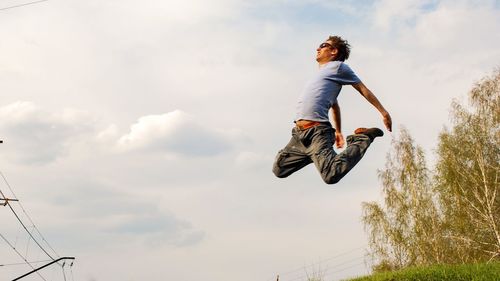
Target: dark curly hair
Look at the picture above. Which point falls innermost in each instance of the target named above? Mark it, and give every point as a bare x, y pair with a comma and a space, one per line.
343, 47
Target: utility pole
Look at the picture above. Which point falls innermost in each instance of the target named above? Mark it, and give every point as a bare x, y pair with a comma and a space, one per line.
5, 201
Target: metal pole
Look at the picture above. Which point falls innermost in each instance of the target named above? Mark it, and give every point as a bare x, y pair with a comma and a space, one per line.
37, 269
6, 201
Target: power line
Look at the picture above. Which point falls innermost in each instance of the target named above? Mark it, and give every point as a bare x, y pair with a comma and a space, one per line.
348, 267
19, 254
25, 228
7, 202
327, 270
21, 5
327, 273
29, 218
321, 261
71, 270
345, 268
22, 263
64, 272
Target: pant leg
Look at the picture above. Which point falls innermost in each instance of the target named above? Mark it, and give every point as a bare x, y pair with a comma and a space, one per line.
333, 166
291, 158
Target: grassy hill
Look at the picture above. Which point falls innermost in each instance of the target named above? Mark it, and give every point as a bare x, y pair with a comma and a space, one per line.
467, 272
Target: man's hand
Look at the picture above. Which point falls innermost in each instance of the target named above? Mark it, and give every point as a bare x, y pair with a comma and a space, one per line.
339, 139
387, 121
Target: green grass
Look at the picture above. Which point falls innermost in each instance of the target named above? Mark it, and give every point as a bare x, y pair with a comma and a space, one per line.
467, 272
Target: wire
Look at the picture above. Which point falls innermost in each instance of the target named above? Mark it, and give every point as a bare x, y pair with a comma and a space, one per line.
29, 218
26, 261
331, 267
29, 230
23, 263
21, 5
345, 268
30, 234
321, 261
71, 270
17, 235
63, 271
28, 246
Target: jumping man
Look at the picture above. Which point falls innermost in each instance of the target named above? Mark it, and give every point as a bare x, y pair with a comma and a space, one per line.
313, 136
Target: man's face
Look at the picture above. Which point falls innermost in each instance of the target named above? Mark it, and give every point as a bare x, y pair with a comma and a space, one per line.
325, 52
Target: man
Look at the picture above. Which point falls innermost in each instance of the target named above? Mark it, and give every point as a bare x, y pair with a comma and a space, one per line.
313, 136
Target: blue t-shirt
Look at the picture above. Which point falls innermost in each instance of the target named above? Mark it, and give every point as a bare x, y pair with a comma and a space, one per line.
323, 89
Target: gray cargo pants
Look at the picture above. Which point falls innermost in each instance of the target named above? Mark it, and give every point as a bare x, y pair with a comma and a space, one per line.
316, 145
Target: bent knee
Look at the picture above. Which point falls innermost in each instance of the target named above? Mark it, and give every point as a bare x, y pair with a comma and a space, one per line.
331, 179
279, 173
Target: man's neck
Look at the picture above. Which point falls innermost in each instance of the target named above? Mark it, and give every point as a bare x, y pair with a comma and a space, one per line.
323, 63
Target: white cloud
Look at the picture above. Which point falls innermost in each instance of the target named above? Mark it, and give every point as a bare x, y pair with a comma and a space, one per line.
171, 11
397, 13
108, 135
36, 136
118, 214
175, 132
253, 160
448, 28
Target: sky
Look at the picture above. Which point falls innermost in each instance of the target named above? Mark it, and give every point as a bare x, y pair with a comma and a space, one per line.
140, 135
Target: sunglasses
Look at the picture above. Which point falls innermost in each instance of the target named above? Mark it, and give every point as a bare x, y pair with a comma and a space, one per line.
323, 45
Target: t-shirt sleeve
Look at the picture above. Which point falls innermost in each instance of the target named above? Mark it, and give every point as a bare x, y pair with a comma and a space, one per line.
346, 75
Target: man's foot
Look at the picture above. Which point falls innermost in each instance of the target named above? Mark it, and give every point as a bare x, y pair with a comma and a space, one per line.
372, 133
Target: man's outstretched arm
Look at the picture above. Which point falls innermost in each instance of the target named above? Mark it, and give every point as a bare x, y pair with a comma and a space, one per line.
371, 98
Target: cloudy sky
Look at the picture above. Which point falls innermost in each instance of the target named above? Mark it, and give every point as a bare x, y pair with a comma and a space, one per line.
140, 135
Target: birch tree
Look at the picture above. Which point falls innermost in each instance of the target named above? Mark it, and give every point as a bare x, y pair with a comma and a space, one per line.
406, 230
450, 214
467, 174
